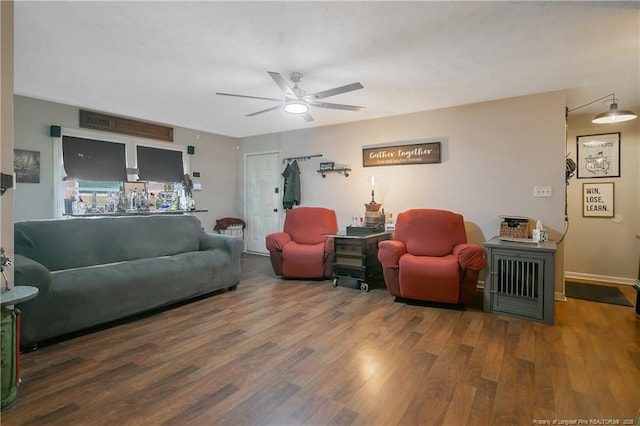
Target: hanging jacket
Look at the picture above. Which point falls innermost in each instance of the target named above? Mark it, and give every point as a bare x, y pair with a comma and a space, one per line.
285, 186
291, 194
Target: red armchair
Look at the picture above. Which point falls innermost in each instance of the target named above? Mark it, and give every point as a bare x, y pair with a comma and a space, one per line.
429, 258
303, 249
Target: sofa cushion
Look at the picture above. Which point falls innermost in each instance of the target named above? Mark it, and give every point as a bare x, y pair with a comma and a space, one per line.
83, 297
74, 243
430, 278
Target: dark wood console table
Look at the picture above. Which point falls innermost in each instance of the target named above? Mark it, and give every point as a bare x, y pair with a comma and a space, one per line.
356, 256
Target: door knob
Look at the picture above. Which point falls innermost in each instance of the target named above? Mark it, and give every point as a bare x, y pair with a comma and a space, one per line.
275, 210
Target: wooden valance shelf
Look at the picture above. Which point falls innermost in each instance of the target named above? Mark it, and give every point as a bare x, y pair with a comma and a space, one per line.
345, 171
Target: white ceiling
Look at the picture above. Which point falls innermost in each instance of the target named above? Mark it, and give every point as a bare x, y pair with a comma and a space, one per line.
165, 61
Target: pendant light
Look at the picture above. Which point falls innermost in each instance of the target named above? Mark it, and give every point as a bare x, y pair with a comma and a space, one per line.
614, 115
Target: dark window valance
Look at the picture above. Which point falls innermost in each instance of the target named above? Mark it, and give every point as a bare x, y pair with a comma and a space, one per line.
159, 165
88, 159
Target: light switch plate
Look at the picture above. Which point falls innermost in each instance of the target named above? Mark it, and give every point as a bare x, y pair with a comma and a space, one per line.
542, 191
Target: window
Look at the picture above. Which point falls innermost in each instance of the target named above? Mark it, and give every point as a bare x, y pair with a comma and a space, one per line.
159, 165
94, 160
92, 167
83, 190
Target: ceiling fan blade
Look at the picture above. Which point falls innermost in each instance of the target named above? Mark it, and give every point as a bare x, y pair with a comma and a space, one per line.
264, 110
308, 118
250, 97
288, 91
333, 92
336, 106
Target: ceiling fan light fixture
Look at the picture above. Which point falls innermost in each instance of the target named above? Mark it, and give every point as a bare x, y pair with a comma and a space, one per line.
296, 106
614, 115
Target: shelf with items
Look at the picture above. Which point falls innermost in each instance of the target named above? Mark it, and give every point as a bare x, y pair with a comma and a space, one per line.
344, 170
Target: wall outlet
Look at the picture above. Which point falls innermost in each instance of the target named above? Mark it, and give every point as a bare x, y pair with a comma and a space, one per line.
542, 191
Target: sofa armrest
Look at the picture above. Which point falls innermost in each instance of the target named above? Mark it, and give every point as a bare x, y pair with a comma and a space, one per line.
329, 246
390, 252
29, 272
212, 241
470, 256
277, 240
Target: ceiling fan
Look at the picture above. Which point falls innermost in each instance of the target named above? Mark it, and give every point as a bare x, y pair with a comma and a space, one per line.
297, 102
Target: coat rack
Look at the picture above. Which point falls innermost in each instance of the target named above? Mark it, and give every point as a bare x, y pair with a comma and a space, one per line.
303, 158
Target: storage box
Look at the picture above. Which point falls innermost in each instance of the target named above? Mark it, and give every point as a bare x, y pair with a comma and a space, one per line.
514, 227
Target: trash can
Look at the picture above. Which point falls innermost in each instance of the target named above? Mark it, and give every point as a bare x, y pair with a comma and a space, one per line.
8, 357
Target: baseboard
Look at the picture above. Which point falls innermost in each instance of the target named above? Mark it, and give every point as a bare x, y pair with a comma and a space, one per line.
602, 278
559, 297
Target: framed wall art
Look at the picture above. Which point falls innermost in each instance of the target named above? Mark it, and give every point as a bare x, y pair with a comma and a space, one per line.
598, 156
26, 164
598, 199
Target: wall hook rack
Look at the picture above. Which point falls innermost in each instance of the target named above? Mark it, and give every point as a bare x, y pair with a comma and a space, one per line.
303, 158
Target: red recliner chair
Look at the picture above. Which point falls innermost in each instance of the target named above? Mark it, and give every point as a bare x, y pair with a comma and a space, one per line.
304, 249
429, 258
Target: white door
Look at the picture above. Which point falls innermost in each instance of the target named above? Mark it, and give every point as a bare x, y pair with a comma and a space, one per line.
262, 199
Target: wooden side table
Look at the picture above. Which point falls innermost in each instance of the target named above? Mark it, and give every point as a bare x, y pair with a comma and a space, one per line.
10, 343
356, 256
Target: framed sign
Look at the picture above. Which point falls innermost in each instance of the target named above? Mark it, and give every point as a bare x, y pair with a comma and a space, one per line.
598, 199
598, 156
420, 153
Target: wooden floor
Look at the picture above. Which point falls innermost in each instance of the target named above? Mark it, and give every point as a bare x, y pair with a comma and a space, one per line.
279, 352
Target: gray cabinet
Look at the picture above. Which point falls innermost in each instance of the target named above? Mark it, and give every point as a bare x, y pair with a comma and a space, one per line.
520, 279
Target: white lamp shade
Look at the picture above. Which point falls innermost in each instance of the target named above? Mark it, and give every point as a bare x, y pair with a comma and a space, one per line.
614, 115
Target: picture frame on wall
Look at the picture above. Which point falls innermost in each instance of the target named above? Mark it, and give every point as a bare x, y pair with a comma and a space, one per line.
598, 199
598, 156
26, 165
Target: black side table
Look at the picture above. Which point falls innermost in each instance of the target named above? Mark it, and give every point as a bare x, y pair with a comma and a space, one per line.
10, 346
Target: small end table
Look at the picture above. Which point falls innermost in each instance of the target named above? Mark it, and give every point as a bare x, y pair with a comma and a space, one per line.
10, 344
356, 257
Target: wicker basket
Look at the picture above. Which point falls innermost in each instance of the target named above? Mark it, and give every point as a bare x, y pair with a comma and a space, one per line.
233, 230
514, 228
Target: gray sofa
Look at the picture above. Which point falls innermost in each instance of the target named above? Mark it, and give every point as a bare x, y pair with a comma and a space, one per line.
91, 271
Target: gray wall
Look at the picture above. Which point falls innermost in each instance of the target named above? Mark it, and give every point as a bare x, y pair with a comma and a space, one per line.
215, 158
